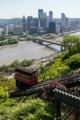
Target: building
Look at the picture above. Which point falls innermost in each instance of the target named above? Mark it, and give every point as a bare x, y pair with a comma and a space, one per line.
1, 30
33, 30
18, 30
40, 13
63, 20
34, 22
29, 19
6, 29
50, 16
47, 21
58, 29
52, 27
24, 24
42, 17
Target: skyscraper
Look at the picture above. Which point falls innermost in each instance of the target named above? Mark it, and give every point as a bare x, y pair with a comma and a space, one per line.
29, 19
40, 13
63, 20
42, 17
6, 29
50, 16
24, 24
52, 27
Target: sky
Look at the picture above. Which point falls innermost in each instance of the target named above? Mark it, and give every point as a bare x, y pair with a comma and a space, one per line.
18, 8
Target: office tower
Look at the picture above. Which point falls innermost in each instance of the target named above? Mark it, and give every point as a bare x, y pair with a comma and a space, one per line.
24, 24
50, 16
47, 21
40, 13
42, 17
29, 19
34, 22
52, 27
18, 30
63, 20
6, 29
58, 29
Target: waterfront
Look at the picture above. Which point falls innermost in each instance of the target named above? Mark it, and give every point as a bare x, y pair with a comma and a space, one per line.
76, 33
26, 50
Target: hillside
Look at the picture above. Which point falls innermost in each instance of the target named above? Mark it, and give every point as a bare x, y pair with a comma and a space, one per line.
33, 107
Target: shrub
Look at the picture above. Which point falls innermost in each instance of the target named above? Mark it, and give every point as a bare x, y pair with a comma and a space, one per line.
73, 61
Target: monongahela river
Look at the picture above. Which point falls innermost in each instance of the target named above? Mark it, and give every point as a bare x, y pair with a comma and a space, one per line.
25, 50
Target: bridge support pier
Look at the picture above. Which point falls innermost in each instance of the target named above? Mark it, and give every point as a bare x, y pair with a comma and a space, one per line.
34, 40
40, 42
62, 48
58, 112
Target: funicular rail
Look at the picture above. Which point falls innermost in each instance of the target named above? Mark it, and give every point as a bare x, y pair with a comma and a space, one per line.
69, 81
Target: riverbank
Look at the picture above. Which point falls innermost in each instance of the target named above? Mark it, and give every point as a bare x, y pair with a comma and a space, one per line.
44, 60
12, 45
38, 62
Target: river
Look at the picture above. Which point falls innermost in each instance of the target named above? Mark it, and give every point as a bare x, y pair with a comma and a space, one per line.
25, 50
76, 33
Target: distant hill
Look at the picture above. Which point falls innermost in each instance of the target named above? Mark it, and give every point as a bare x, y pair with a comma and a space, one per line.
14, 21
18, 21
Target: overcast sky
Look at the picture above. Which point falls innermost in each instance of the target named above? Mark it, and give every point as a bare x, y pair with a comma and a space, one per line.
18, 8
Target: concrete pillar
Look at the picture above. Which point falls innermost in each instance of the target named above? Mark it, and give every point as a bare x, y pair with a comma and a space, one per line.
40, 42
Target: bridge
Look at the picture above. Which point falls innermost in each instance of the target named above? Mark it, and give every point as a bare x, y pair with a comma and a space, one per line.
49, 42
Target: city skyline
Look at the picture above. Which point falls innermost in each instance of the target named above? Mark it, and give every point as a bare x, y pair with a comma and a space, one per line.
18, 8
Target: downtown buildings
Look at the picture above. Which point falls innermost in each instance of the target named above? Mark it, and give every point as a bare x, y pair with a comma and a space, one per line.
44, 23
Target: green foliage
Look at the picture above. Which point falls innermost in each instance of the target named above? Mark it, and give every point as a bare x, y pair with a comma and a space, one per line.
73, 61
31, 109
8, 83
65, 55
12, 41
8, 41
57, 69
26, 63
2, 37
42, 68
36, 109
16, 63
3, 94
72, 44
10, 68
27, 36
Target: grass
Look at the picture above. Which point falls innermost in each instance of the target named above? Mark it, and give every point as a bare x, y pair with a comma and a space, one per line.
9, 83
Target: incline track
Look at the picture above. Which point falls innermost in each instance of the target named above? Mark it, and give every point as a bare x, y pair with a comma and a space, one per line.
70, 80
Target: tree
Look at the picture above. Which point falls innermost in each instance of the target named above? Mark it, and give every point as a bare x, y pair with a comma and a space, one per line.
15, 64
26, 63
2, 37
72, 44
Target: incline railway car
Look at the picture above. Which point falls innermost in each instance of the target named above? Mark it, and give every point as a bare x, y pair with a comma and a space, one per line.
25, 77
